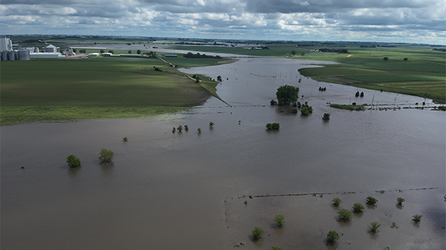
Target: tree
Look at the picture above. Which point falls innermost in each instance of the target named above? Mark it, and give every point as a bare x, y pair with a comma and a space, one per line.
306, 110
73, 161
293, 52
74, 50
138, 52
357, 94
106, 155
374, 227
357, 208
345, 214
280, 220
287, 94
101, 51
130, 52
257, 233
406, 59
180, 128
219, 78
362, 94
385, 59
110, 51
326, 117
211, 124
332, 237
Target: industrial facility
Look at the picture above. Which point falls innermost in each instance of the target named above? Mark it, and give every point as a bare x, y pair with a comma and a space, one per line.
9, 54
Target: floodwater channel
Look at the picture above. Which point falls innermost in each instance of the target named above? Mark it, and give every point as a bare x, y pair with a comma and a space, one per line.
209, 190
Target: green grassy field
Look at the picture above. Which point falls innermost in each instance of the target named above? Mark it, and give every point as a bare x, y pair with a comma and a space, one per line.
58, 90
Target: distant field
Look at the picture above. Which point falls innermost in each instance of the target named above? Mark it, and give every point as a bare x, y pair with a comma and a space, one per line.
94, 88
423, 74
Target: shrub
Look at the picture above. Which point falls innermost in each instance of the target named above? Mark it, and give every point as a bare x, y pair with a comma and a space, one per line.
345, 214
371, 201
180, 128
326, 117
357, 93
186, 127
400, 201
173, 130
294, 110
257, 233
374, 227
211, 124
336, 201
273, 102
332, 237
306, 110
199, 130
73, 161
417, 218
275, 248
280, 220
273, 126
125, 139
357, 208
106, 155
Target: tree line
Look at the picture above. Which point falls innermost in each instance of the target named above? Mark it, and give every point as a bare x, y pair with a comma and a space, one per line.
190, 55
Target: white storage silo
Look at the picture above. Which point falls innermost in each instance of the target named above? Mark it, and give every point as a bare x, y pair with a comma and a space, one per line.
24, 55
5, 55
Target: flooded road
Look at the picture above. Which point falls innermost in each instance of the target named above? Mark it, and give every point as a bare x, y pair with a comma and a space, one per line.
188, 190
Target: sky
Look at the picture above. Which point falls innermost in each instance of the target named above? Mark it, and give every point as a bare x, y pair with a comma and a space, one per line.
399, 21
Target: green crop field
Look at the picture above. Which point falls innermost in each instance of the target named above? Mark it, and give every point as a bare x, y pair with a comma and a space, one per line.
53, 90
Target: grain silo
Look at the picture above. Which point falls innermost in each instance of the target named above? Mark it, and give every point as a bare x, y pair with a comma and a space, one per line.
11, 55
5, 55
24, 55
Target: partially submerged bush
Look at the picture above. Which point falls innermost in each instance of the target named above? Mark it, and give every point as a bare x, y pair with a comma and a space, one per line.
125, 139
106, 155
273, 102
180, 128
257, 233
280, 220
332, 237
211, 124
345, 214
374, 227
73, 161
273, 126
306, 110
275, 248
357, 208
336, 201
371, 201
417, 218
326, 117
400, 201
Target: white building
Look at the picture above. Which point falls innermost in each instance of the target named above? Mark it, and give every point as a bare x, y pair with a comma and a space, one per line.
5, 44
50, 49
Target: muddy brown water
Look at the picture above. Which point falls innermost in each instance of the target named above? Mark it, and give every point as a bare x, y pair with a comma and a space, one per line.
188, 190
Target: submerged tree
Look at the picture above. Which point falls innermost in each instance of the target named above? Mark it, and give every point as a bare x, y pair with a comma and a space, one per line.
332, 237
106, 155
73, 161
287, 94
257, 233
280, 220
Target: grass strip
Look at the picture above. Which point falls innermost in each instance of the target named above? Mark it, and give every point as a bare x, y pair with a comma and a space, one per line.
11, 115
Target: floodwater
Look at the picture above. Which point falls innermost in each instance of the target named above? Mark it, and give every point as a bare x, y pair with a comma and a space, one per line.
188, 190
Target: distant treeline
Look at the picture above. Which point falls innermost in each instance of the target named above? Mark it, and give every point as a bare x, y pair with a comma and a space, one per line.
190, 55
334, 50
442, 50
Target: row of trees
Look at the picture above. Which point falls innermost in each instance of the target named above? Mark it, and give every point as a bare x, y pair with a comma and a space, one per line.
198, 55
334, 50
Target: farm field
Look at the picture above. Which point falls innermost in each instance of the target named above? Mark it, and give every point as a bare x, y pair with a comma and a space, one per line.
59, 90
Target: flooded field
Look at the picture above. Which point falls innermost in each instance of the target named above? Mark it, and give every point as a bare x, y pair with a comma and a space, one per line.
187, 190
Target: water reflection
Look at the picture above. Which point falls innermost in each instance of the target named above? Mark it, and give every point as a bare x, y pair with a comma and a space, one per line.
73, 172
107, 168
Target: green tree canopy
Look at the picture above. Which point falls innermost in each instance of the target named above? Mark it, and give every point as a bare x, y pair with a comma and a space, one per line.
287, 94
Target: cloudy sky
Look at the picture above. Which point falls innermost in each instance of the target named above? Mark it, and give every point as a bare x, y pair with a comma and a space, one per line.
411, 21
